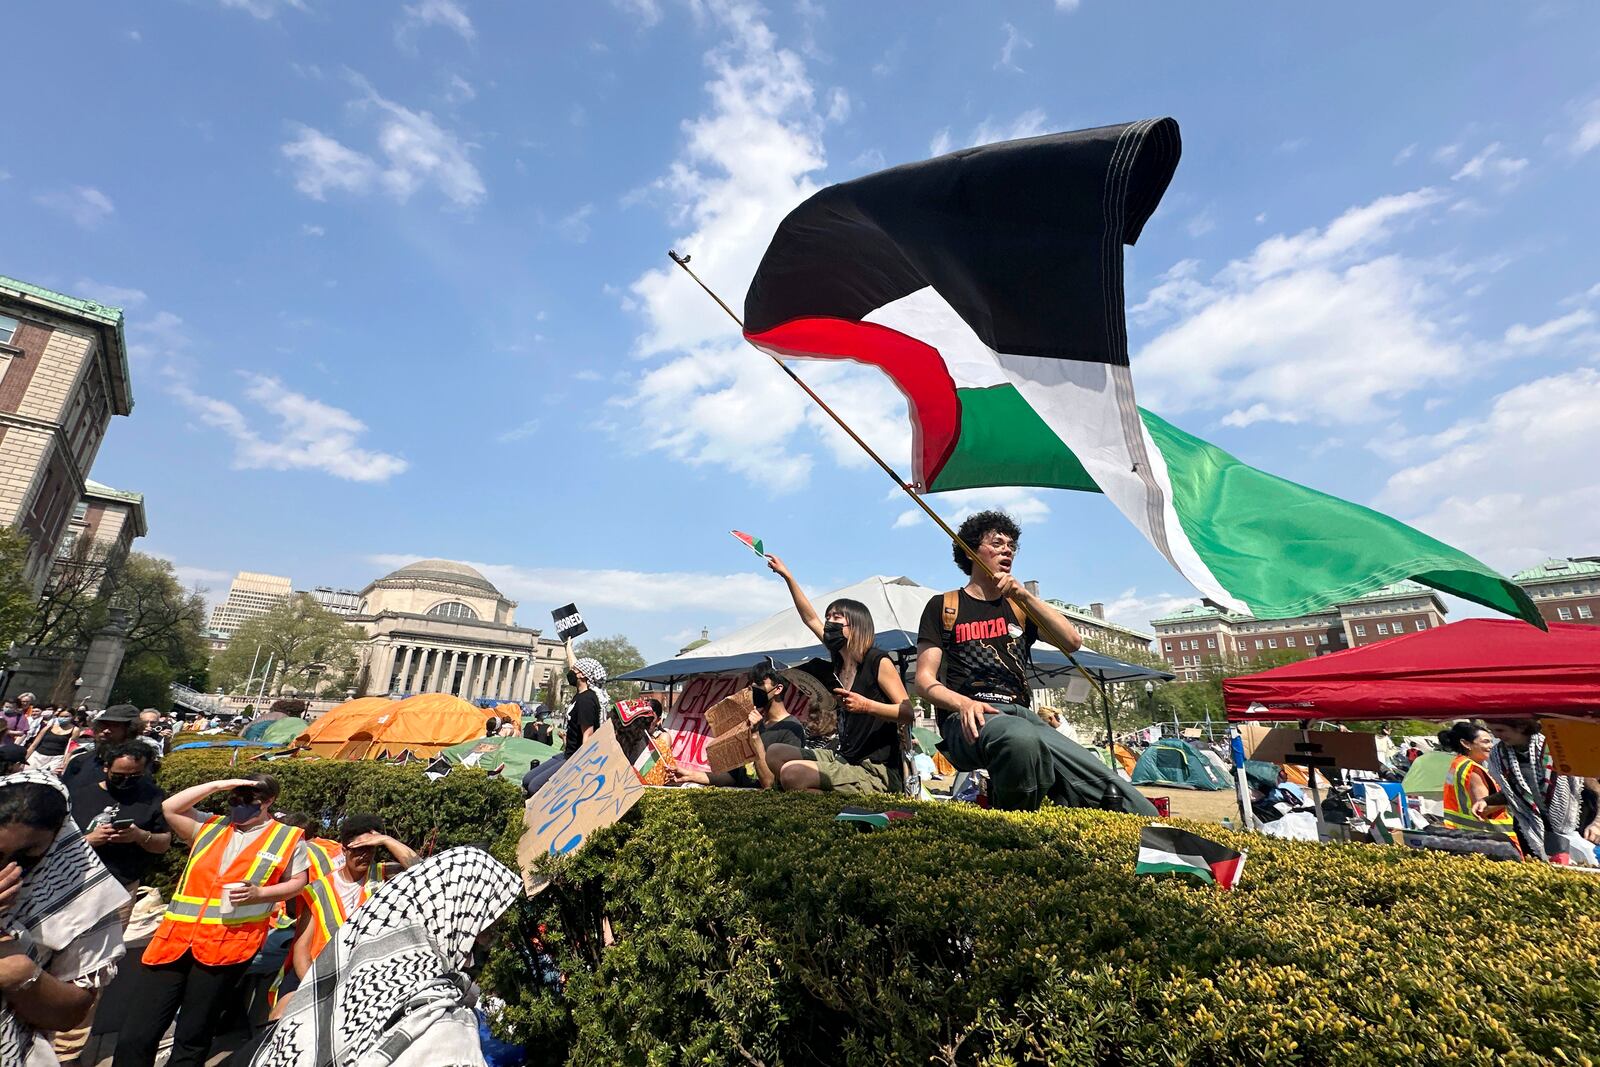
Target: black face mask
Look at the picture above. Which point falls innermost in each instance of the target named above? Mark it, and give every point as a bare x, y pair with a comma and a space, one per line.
833, 638
572, 679
24, 863
122, 785
760, 697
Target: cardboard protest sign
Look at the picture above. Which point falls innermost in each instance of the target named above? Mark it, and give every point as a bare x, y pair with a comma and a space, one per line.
594, 788
1574, 746
686, 725
569, 623
1344, 751
728, 721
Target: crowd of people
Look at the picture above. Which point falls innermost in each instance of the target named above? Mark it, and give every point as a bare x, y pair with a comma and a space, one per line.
263, 899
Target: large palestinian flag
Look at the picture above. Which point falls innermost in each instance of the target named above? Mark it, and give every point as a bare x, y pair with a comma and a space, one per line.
988, 285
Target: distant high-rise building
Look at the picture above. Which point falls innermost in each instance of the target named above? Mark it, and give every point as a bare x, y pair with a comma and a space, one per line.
250, 595
338, 601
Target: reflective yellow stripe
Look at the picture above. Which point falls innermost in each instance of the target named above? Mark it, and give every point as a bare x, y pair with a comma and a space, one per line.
210, 832
327, 908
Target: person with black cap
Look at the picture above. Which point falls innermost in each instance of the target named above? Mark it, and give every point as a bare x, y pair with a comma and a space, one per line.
113, 727
12, 757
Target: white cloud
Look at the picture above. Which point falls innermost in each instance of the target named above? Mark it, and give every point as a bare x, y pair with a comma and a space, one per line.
1291, 146
1405, 153
114, 295
1201, 224
263, 9
1524, 336
574, 227
1024, 505
1131, 609
646, 591
312, 435
460, 91
312, 231
1067, 5
85, 205
1491, 163
1586, 135
1517, 485
158, 341
447, 14
1301, 328
520, 432
135, 36
1030, 123
838, 105
646, 13
415, 149
1008, 50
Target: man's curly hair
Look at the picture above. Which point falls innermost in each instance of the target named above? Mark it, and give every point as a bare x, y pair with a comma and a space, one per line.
979, 526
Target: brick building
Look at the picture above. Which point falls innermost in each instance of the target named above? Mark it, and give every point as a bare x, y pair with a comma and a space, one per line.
63, 374
1565, 590
1198, 635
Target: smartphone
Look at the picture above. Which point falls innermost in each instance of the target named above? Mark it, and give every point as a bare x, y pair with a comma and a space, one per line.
121, 824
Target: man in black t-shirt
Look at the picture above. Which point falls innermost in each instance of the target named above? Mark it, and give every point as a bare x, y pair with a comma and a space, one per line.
120, 814
980, 639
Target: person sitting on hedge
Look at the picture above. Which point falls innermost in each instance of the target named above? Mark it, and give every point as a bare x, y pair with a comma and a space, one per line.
771, 726
973, 653
873, 705
588, 677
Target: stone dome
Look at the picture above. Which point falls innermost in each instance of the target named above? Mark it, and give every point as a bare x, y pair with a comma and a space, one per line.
445, 571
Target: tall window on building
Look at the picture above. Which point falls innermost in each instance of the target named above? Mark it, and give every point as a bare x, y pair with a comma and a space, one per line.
1322, 638
1272, 642
1211, 642
1383, 629
8, 329
1585, 612
452, 609
1361, 631
1258, 644
1564, 614
1422, 624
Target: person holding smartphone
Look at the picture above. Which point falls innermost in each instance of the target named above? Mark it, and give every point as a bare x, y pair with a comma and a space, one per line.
119, 812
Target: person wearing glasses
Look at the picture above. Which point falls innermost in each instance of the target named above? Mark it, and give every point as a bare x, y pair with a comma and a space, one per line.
974, 650
873, 705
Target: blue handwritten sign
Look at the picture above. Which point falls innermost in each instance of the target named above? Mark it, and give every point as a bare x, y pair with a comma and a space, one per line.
594, 788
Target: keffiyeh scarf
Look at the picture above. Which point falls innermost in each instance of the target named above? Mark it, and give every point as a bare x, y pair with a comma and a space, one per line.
1545, 810
596, 674
68, 897
391, 981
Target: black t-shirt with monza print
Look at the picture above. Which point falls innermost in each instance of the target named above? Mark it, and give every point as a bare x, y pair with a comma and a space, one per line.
986, 652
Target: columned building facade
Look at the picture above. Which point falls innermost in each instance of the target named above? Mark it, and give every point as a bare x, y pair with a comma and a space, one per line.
437, 626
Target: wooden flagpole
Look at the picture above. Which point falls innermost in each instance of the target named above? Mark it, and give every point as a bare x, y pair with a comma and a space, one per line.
904, 486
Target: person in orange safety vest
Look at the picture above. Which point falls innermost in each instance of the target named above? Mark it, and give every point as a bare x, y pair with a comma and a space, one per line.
1472, 798
240, 865
327, 903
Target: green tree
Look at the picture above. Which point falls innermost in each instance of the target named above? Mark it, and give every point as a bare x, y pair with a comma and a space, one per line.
16, 596
304, 641
618, 656
165, 639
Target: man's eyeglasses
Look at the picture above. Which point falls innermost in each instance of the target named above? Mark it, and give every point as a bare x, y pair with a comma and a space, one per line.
120, 780
999, 543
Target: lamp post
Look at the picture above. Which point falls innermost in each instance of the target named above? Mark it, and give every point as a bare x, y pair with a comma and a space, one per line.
1150, 699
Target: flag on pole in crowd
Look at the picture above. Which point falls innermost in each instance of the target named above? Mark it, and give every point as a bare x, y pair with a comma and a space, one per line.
752, 543
1168, 850
988, 285
651, 764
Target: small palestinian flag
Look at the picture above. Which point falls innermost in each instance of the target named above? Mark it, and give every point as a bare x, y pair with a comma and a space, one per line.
1168, 850
752, 543
651, 764
871, 820
1388, 829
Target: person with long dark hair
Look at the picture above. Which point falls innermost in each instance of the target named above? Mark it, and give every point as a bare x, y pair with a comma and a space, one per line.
1543, 805
1472, 798
873, 705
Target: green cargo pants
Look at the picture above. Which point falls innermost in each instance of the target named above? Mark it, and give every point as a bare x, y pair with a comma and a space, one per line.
1029, 763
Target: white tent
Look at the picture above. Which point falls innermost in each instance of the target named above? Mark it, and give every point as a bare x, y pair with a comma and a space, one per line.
895, 604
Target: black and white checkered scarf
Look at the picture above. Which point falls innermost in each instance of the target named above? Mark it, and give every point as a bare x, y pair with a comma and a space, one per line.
1545, 810
68, 895
391, 979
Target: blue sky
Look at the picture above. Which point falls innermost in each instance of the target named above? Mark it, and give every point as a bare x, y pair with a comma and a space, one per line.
396, 282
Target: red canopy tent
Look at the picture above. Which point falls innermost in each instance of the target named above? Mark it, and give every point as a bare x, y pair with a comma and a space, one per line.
1476, 668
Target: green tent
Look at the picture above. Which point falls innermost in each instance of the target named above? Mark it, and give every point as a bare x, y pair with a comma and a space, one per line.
279, 731
929, 738
1427, 776
517, 753
1175, 762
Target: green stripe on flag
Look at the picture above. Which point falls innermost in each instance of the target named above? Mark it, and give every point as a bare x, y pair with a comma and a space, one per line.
1287, 550
1003, 441
1202, 873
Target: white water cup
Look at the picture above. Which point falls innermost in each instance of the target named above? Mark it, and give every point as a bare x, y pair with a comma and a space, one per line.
227, 896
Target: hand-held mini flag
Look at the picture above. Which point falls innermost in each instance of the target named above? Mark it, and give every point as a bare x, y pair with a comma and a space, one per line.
1168, 850
752, 543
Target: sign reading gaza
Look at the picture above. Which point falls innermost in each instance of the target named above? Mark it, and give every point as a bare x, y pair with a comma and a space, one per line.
569, 623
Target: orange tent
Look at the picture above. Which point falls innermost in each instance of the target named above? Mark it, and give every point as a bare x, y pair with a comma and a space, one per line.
423, 724
1126, 759
334, 727
508, 711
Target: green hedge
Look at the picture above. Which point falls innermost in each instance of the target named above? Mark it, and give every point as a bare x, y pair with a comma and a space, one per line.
751, 928
464, 807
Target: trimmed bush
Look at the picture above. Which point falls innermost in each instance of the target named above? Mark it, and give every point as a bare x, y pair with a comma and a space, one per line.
751, 928
464, 807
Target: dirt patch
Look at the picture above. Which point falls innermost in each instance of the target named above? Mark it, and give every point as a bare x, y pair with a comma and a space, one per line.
1200, 805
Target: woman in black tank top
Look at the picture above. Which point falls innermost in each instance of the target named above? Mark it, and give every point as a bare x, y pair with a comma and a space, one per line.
873, 705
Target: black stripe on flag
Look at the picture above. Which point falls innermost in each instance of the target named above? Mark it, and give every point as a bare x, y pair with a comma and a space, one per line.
1022, 238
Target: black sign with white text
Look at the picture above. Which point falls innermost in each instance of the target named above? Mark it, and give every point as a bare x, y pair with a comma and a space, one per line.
569, 623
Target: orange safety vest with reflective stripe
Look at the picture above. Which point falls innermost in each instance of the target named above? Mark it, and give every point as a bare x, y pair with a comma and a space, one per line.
1458, 801
326, 907
195, 922
323, 855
